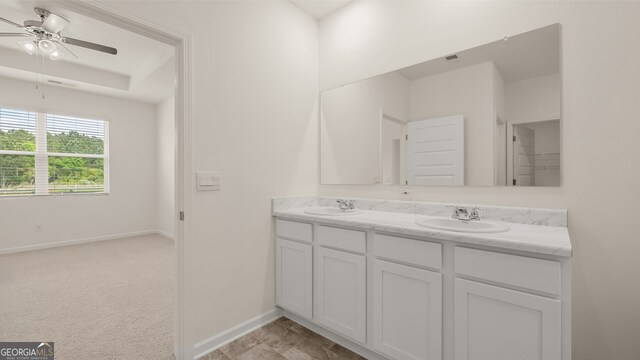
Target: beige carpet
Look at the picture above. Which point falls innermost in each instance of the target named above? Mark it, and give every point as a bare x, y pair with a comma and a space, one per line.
105, 300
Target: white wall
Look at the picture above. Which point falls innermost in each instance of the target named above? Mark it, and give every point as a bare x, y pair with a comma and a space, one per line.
533, 99
499, 93
599, 76
355, 109
255, 91
500, 129
129, 208
547, 136
165, 157
467, 91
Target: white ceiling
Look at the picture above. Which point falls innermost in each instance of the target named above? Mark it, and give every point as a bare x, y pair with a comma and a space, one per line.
143, 69
534, 53
320, 8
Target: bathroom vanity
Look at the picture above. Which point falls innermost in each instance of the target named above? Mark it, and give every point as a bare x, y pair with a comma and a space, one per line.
386, 287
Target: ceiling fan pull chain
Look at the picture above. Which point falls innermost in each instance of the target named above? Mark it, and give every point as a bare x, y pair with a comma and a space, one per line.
42, 76
37, 77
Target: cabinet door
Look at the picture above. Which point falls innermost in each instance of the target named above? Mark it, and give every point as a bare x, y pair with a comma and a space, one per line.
407, 312
341, 293
294, 276
493, 323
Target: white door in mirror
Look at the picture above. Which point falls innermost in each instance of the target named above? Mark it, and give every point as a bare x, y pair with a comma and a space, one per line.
436, 151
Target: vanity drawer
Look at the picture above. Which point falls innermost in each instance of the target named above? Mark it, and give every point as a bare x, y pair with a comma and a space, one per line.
521, 271
350, 240
294, 230
415, 252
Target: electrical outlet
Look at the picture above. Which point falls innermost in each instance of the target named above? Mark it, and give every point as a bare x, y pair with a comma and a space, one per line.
406, 194
37, 228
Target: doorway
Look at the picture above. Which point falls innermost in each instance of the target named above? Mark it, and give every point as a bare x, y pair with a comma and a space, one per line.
393, 132
534, 153
181, 43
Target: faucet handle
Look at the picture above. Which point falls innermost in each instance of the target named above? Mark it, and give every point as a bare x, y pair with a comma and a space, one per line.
475, 213
346, 204
457, 210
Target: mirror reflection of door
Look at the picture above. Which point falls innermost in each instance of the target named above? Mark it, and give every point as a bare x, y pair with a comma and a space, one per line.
436, 151
535, 155
393, 132
396, 156
363, 124
523, 156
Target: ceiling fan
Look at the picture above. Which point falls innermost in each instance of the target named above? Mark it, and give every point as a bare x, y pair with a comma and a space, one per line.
47, 35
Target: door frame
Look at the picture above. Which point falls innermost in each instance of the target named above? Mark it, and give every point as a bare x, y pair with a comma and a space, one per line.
403, 145
509, 144
500, 142
115, 15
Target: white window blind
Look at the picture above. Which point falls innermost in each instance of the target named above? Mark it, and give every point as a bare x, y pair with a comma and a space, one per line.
85, 136
17, 120
17, 152
46, 154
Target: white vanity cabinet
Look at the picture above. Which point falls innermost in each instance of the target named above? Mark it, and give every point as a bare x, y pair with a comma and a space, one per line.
407, 299
341, 275
494, 322
294, 267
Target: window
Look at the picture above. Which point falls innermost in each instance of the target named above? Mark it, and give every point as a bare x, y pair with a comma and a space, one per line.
44, 154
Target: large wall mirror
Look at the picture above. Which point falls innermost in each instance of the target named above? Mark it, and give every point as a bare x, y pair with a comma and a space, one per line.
485, 116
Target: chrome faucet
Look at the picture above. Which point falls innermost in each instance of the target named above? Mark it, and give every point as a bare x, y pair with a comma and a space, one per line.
474, 214
462, 213
346, 204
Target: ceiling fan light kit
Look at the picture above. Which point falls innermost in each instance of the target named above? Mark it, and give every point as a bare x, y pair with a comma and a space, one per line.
29, 46
47, 37
56, 55
46, 46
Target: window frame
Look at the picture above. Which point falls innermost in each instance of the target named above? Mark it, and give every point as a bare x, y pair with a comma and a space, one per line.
41, 155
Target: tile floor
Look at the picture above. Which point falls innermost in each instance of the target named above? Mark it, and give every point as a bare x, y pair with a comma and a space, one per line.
281, 340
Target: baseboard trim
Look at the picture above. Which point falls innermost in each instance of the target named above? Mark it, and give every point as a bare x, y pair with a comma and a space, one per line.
216, 341
165, 234
19, 249
349, 344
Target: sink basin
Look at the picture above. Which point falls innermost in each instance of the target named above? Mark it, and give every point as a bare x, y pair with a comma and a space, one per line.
463, 226
331, 211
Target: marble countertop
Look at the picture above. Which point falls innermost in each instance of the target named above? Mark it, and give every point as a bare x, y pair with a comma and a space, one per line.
549, 240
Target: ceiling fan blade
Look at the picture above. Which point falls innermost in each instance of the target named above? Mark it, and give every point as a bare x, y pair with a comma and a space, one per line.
11, 23
66, 48
54, 23
14, 34
88, 45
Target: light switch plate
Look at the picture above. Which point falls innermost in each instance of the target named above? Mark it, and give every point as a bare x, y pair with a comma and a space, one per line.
208, 181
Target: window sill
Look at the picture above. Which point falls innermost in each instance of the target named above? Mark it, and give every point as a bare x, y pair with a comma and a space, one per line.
52, 195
